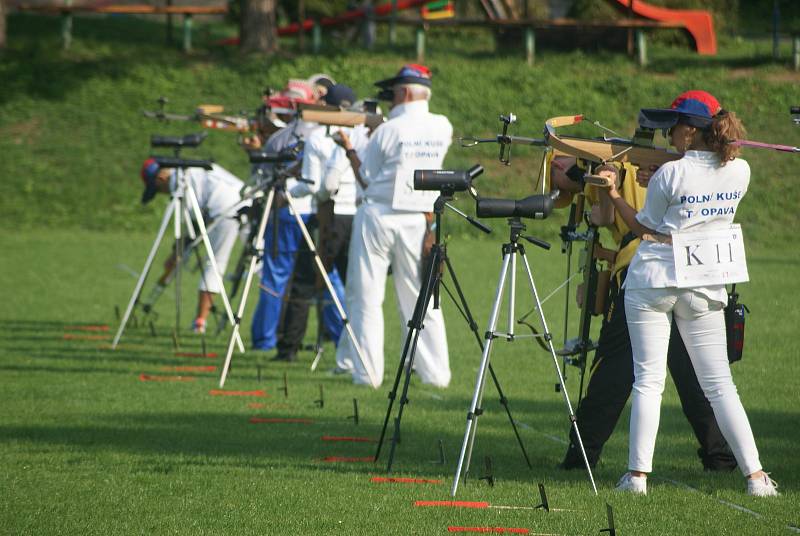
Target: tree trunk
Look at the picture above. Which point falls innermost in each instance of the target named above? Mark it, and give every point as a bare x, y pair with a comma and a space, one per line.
258, 28
2, 24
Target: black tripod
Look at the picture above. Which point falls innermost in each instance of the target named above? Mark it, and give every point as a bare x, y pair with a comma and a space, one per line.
432, 279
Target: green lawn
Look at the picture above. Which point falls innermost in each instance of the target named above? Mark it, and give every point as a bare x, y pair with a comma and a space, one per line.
87, 447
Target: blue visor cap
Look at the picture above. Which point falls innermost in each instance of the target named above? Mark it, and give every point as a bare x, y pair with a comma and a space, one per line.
409, 74
689, 112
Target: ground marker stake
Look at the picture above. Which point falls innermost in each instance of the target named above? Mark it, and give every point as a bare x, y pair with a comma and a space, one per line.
354, 416
442, 459
210, 355
611, 530
204, 368
352, 439
347, 459
488, 477
320, 403
496, 530
82, 337
470, 504
396, 480
116, 312
151, 378
152, 329
175, 343
285, 387
88, 327
222, 392
277, 420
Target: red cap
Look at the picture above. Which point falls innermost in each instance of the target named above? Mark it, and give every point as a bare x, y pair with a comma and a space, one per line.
694, 100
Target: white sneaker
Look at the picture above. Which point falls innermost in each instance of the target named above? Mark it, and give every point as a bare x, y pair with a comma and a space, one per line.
199, 326
633, 484
763, 486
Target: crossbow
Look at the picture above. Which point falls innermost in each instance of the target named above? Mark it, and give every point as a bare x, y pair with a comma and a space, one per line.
640, 150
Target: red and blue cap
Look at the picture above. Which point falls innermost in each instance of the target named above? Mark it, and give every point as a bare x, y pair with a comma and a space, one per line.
694, 108
149, 174
412, 73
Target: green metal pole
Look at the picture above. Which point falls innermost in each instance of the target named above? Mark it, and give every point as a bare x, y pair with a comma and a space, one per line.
393, 24
187, 33
641, 48
66, 26
316, 37
420, 44
530, 46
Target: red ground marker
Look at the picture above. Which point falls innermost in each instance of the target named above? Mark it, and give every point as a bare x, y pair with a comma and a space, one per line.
98, 327
151, 378
81, 337
209, 368
348, 459
352, 439
209, 355
506, 530
222, 392
393, 480
276, 420
456, 504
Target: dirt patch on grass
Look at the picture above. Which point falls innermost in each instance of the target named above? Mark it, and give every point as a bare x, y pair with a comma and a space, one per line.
25, 132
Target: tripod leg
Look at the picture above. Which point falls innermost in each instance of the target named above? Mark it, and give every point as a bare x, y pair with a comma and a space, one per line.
480, 381
140, 283
549, 339
210, 252
320, 330
416, 325
367, 366
259, 245
179, 207
474, 328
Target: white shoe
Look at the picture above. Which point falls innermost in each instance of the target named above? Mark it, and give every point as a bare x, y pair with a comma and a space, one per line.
763, 486
633, 484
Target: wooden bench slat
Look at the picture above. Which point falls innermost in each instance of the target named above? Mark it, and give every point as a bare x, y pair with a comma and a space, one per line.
132, 9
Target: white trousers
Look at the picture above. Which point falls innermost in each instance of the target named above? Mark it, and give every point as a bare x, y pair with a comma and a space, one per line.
383, 237
222, 237
702, 326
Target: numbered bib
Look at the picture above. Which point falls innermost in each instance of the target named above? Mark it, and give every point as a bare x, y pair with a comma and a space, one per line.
706, 258
405, 197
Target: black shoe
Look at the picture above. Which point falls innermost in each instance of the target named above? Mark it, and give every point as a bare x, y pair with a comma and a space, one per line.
574, 460
287, 358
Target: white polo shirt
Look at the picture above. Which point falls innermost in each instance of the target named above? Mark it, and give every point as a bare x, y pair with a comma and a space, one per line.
296, 131
412, 138
694, 193
218, 190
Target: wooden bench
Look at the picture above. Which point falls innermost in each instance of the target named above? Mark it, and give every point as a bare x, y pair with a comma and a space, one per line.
530, 26
66, 12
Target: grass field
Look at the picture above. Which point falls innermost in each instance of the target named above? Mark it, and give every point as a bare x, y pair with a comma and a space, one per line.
89, 447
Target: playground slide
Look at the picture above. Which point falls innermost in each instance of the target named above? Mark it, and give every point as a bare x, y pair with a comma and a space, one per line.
698, 23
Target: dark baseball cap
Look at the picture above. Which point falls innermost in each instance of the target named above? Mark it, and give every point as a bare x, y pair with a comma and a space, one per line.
340, 95
149, 173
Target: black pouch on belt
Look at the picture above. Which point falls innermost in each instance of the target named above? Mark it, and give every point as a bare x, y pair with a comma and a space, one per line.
734, 325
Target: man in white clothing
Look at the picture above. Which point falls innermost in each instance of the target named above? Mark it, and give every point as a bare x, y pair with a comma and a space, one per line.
390, 225
218, 194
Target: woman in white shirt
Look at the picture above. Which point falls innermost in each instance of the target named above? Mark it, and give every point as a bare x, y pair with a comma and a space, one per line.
698, 193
